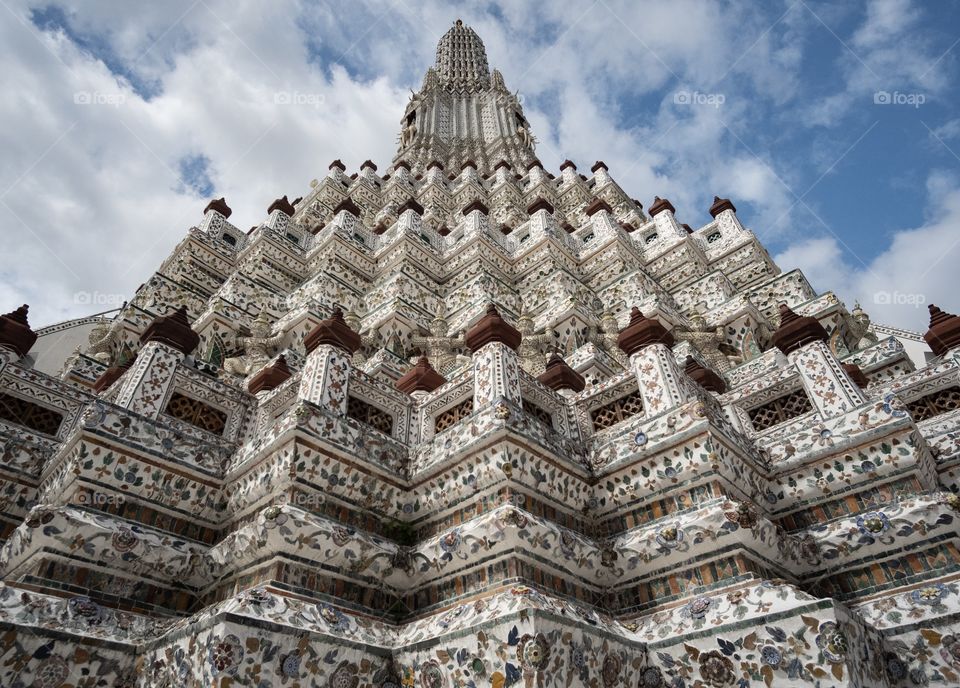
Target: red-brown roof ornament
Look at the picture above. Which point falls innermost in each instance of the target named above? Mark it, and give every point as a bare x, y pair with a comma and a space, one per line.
704, 377
659, 205
15, 332
853, 370
411, 204
270, 377
172, 330
540, 204
420, 378
599, 164
468, 163
334, 331
642, 332
559, 375
492, 328
687, 227
404, 164
368, 163
220, 205
721, 204
596, 205
434, 163
348, 205
112, 374
339, 165
795, 330
443, 231
283, 205
566, 164
944, 332
534, 163
476, 205
502, 163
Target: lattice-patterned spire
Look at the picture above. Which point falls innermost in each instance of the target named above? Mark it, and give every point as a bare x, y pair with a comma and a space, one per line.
464, 113
462, 59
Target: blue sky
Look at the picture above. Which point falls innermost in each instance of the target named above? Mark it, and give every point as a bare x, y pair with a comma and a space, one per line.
834, 127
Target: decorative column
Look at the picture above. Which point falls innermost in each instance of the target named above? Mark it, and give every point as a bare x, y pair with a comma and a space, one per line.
601, 217
804, 341
279, 213
163, 345
411, 218
496, 366
662, 212
346, 215
725, 214
215, 215
16, 337
541, 219
661, 383
476, 221
325, 378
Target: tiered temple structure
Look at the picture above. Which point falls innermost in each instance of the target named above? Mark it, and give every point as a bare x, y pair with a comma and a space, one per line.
473, 423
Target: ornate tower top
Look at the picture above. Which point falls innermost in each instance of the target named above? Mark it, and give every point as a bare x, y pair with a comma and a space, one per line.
464, 112
462, 60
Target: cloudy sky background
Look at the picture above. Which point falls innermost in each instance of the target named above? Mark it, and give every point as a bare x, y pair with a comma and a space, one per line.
122, 119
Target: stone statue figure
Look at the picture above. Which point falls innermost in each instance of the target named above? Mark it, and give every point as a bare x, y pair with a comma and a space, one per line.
534, 348
606, 338
407, 134
101, 341
711, 343
525, 136
439, 347
256, 347
860, 328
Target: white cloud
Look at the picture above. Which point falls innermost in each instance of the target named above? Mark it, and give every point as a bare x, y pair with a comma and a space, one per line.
918, 268
103, 206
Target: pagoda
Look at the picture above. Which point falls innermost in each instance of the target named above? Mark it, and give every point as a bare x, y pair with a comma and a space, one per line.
473, 422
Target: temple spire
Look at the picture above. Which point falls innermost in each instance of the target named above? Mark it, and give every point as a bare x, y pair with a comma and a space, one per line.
462, 60
464, 112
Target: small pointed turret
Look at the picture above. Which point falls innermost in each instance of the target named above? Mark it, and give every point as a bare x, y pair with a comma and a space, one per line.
219, 205
641, 332
334, 331
795, 330
112, 374
944, 332
719, 205
704, 377
420, 378
172, 330
270, 377
559, 375
15, 332
492, 328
